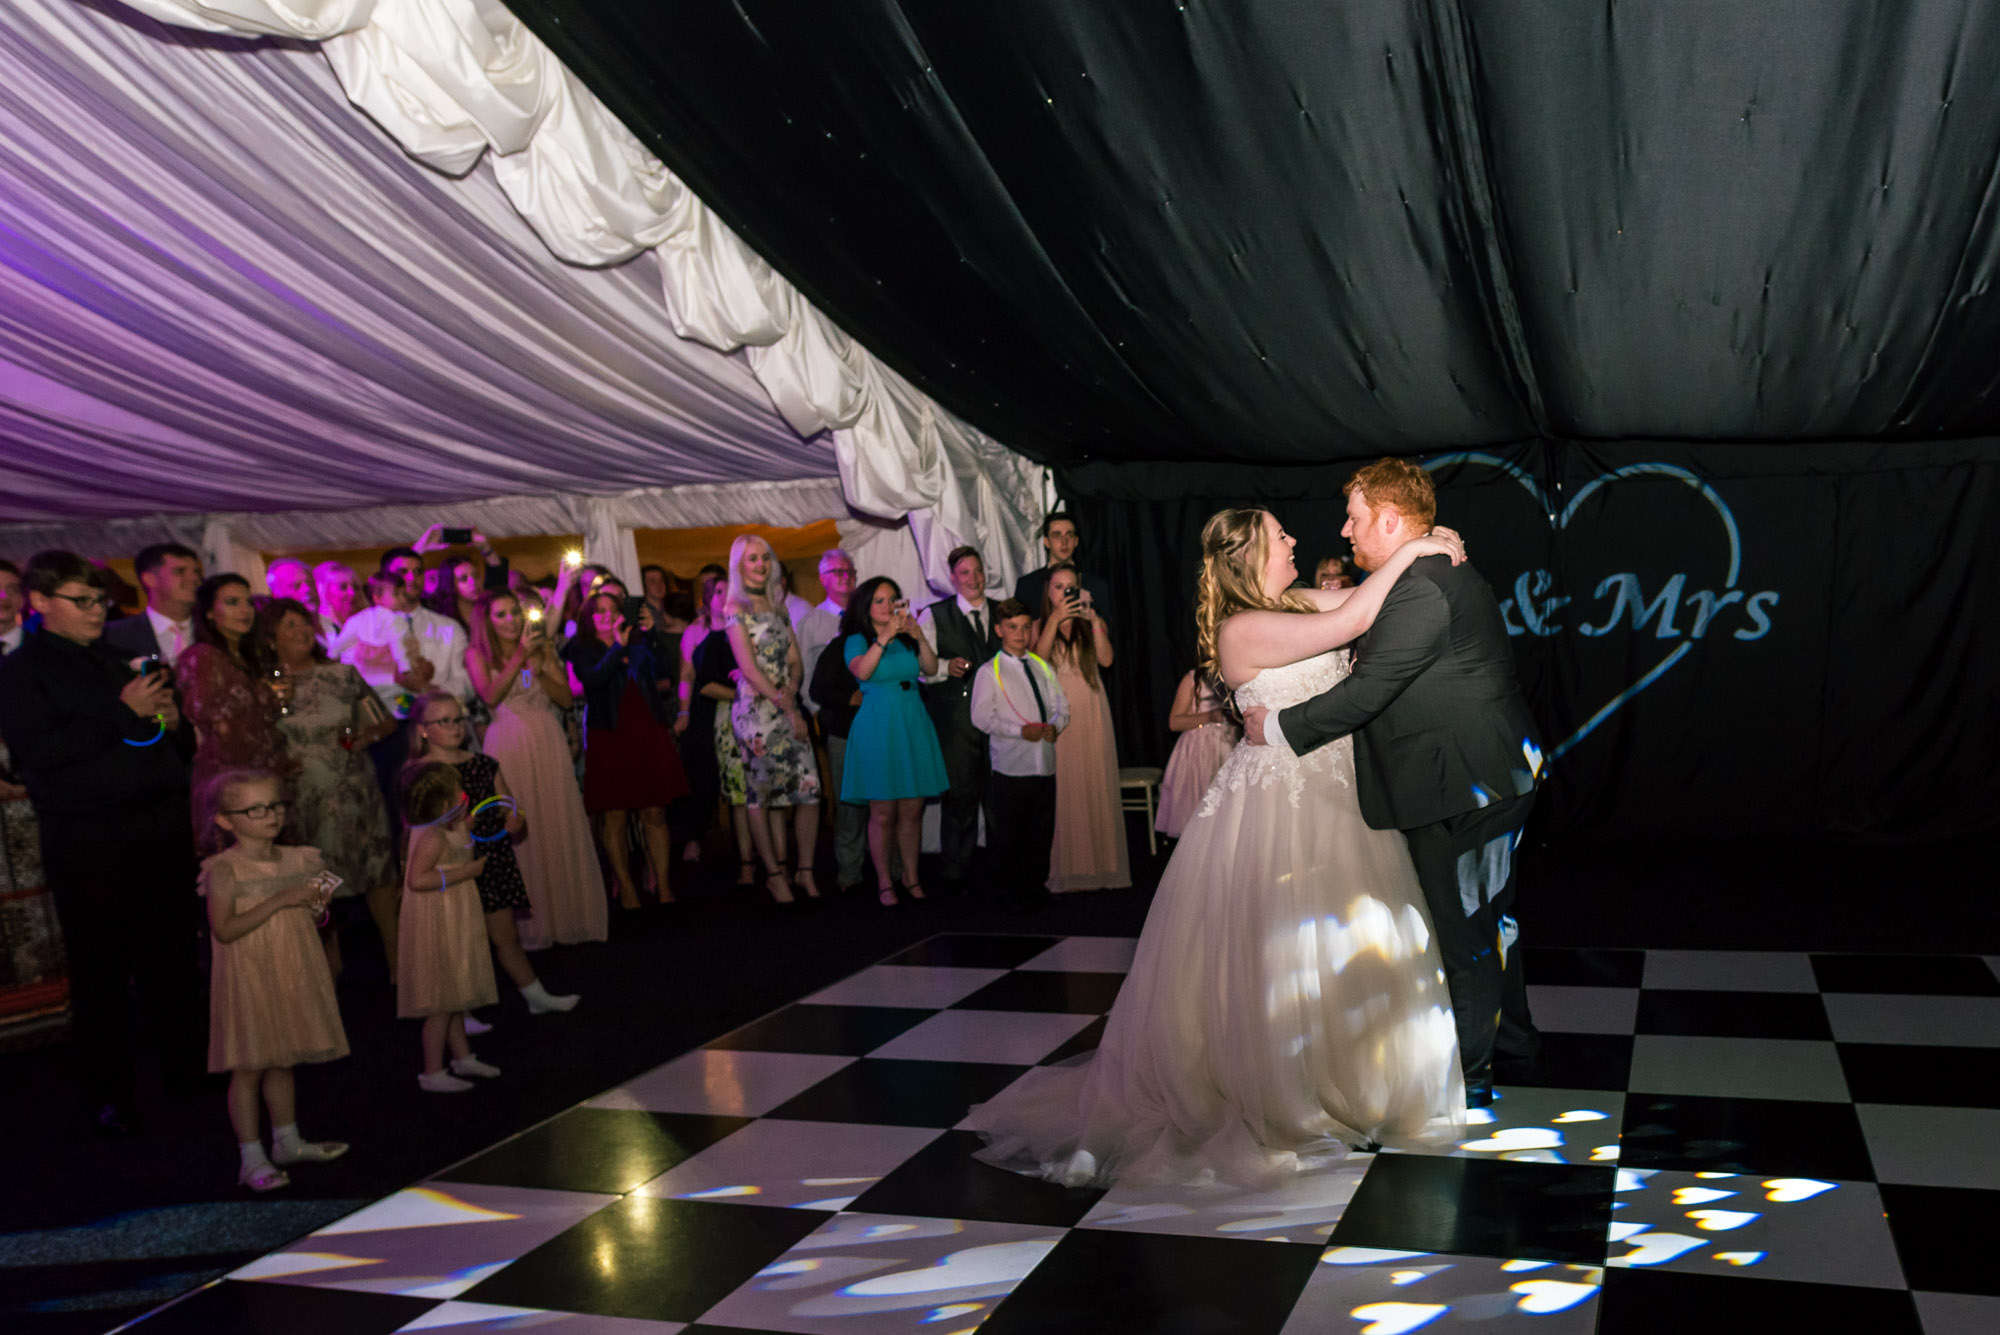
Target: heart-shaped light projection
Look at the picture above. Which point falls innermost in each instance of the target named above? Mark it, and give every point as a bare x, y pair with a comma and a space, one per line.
1480, 1117
1740, 1258
1721, 1221
416, 1207
1700, 1195
1715, 1177
975, 1267
1583, 1115
1604, 1154
1516, 1138
1633, 1179
1515, 1267
1395, 1318
1620, 1232
1365, 1256
1657, 1248
1401, 1277
1795, 1188
280, 1265
1550, 1295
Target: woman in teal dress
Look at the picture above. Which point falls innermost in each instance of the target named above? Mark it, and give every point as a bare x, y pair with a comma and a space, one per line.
893, 760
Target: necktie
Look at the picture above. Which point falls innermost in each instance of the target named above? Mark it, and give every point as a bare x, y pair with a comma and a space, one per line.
1028, 670
178, 637
978, 628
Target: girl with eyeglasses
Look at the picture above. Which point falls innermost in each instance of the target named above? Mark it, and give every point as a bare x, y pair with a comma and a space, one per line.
440, 730
271, 1003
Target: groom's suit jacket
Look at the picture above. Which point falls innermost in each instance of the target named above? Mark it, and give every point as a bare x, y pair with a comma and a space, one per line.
1439, 721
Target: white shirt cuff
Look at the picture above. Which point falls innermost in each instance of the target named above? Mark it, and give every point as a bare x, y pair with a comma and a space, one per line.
1274, 735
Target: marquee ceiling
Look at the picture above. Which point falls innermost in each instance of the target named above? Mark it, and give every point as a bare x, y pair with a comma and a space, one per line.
1283, 231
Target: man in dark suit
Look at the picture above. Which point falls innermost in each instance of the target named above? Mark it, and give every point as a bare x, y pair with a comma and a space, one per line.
12, 603
1060, 539
170, 574
1446, 752
99, 751
961, 629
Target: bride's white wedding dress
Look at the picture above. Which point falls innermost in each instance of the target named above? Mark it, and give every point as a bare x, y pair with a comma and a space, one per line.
1286, 1001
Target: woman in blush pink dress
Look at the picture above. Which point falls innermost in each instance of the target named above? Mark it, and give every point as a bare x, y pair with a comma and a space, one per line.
516, 671
1206, 738
1089, 851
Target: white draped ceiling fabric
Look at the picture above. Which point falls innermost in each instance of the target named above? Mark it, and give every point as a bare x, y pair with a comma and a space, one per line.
257, 324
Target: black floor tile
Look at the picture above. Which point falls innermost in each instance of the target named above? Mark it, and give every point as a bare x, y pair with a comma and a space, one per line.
1734, 1014
969, 951
1102, 1283
1780, 1137
1077, 993
652, 1259
235, 1308
1481, 1207
1939, 1077
839, 1031
1918, 975
1086, 1040
900, 1093
1641, 1302
1584, 968
596, 1149
1944, 1237
1573, 1061
944, 1181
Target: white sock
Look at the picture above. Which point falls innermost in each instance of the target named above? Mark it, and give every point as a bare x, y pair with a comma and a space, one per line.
541, 1001
286, 1137
252, 1152
535, 991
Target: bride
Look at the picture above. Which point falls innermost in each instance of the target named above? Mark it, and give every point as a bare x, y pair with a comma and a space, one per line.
1286, 1002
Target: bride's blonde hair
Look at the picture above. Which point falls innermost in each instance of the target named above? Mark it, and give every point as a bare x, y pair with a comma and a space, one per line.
1234, 550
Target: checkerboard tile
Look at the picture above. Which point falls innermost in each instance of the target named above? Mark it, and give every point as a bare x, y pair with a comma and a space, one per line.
1736, 1139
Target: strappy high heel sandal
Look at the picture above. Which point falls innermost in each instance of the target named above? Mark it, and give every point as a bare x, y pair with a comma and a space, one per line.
780, 887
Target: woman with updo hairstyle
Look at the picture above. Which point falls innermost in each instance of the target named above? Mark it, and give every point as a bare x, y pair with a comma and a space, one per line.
1090, 851
1286, 1004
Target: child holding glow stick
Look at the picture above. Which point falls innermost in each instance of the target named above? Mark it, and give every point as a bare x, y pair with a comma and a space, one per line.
438, 732
271, 1003
443, 970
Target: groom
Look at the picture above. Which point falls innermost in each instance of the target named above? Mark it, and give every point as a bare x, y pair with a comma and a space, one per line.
1446, 752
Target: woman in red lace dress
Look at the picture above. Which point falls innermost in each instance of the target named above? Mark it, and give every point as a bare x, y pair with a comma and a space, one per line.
231, 686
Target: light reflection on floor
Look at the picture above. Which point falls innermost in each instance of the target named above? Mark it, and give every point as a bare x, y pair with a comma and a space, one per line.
1775, 1228
1304, 1210
928, 1274
1394, 1292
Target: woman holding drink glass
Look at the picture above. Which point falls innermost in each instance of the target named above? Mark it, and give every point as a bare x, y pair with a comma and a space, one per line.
893, 759
231, 686
333, 718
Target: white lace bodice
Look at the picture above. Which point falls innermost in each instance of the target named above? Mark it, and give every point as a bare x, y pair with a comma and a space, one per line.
1262, 766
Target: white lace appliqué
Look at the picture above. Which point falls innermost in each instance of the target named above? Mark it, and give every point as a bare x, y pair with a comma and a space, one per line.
1275, 689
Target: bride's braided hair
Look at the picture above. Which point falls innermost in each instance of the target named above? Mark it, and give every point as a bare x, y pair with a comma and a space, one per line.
1233, 552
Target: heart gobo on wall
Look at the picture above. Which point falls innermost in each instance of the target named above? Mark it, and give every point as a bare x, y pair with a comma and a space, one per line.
1713, 643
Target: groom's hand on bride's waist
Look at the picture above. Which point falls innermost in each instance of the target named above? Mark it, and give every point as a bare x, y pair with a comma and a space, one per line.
1253, 725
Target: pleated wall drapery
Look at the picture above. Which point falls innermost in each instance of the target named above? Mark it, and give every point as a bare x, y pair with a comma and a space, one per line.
457, 80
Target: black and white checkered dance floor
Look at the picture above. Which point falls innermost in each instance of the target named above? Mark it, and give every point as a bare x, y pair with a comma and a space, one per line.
1721, 1141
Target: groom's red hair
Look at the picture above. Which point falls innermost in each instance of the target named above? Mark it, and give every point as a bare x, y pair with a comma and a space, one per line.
1400, 483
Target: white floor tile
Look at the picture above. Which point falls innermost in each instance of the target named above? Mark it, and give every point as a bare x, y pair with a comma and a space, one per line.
1932, 1147
905, 985
733, 1084
1303, 1210
1966, 1022
1584, 1010
1958, 1313
1739, 1068
882, 1273
478, 1318
1545, 1126
1399, 1291
1087, 954
1730, 971
1010, 1038
803, 1165
1804, 1229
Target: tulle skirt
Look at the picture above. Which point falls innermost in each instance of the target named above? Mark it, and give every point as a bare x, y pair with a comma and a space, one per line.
1286, 1003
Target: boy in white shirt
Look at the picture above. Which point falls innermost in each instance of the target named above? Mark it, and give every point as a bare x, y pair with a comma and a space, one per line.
1018, 703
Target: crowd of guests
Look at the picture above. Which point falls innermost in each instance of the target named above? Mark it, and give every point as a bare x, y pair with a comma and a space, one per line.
456, 758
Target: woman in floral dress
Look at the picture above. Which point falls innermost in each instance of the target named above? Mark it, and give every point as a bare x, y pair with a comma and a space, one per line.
770, 728
231, 688
338, 805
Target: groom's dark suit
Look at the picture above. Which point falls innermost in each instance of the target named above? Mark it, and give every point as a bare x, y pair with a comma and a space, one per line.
1447, 753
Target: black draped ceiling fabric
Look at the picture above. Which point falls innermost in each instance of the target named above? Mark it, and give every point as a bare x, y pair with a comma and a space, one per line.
1287, 230
1190, 252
